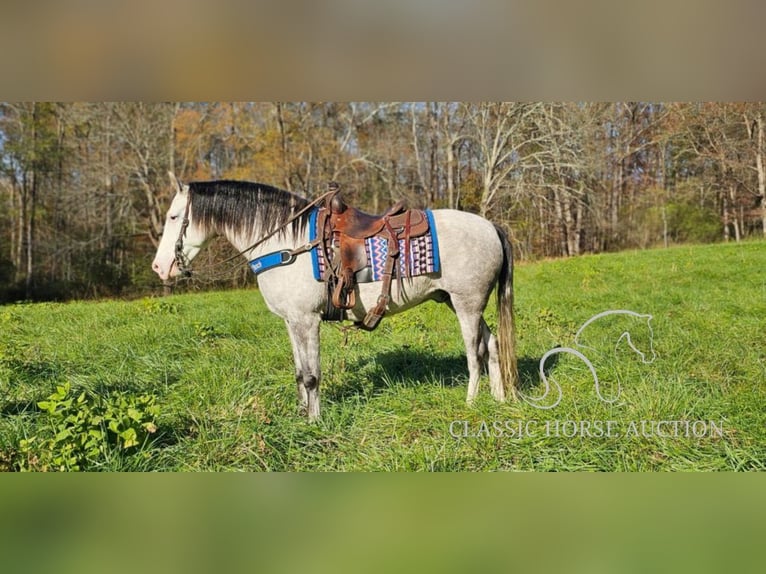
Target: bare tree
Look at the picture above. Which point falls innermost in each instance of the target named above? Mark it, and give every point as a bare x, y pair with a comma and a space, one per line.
753, 120
506, 142
143, 132
83, 185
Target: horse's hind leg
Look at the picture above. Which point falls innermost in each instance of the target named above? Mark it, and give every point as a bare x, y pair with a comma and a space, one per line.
489, 352
470, 320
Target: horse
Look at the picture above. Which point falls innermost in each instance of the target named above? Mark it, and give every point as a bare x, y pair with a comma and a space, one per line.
647, 357
476, 257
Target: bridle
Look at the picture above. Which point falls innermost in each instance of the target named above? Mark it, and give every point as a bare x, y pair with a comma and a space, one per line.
288, 255
181, 261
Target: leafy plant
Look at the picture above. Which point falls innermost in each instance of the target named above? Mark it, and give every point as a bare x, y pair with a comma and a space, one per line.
204, 333
83, 429
154, 306
555, 324
409, 324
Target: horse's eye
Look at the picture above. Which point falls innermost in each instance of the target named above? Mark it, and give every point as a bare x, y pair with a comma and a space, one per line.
173, 217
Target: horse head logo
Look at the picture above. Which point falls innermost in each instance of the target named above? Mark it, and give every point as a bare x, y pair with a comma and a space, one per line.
647, 356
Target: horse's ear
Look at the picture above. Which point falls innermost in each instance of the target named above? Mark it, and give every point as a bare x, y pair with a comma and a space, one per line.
175, 184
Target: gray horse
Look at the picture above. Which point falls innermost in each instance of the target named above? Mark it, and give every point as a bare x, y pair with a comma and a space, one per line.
475, 257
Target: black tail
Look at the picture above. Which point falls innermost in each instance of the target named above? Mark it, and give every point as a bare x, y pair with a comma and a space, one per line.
506, 325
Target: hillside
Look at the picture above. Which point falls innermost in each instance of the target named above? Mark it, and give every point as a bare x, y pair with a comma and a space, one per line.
215, 372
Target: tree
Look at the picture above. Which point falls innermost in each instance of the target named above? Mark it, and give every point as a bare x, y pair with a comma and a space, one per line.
32, 150
83, 185
506, 142
143, 133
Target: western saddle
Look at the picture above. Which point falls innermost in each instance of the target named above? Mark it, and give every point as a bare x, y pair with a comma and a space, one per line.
344, 231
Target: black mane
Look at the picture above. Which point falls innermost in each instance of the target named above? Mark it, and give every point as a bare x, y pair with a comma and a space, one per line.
241, 207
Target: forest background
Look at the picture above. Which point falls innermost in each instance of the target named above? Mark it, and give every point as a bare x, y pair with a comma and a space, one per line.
84, 186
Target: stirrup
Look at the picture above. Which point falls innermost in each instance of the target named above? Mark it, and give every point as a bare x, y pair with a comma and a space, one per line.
343, 296
374, 315
370, 322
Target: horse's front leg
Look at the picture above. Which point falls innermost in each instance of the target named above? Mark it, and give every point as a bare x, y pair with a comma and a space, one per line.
303, 398
304, 334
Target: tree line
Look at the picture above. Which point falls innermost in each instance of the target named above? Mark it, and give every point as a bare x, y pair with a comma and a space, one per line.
83, 186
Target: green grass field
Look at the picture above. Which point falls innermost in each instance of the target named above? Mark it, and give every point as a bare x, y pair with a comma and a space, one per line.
220, 370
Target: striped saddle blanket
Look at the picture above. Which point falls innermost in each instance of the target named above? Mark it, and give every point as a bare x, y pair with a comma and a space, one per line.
423, 254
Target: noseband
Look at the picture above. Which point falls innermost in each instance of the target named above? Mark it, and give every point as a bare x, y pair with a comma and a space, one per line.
181, 261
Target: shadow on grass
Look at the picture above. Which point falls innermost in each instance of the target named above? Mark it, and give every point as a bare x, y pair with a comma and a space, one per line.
134, 387
20, 408
32, 371
174, 431
419, 366
411, 368
529, 371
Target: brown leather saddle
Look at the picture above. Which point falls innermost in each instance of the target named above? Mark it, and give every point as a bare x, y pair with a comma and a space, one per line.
344, 230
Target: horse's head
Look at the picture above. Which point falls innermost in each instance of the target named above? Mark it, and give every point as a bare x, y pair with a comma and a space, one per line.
181, 239
640, 337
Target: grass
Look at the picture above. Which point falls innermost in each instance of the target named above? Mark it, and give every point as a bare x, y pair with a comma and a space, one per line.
221, 368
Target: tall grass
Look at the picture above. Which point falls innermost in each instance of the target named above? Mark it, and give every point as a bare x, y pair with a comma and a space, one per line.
221, 368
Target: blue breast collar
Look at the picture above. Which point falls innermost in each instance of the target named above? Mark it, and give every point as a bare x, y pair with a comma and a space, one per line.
271, 260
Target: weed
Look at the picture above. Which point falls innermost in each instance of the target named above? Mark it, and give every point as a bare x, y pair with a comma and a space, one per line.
154, 306
80, 431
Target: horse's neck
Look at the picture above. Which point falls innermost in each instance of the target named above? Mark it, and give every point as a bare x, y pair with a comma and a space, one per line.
284, 239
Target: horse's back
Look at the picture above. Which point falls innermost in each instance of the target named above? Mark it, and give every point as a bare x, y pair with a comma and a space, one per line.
470, 249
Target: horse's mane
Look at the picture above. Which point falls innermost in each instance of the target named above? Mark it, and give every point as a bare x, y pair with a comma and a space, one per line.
241, 207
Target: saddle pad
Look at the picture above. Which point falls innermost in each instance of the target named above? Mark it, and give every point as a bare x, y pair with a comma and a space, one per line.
424, 253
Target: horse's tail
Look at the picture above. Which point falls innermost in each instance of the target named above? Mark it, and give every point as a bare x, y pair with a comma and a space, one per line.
506, 324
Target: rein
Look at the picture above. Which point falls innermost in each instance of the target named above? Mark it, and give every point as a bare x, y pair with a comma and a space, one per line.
183, 263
